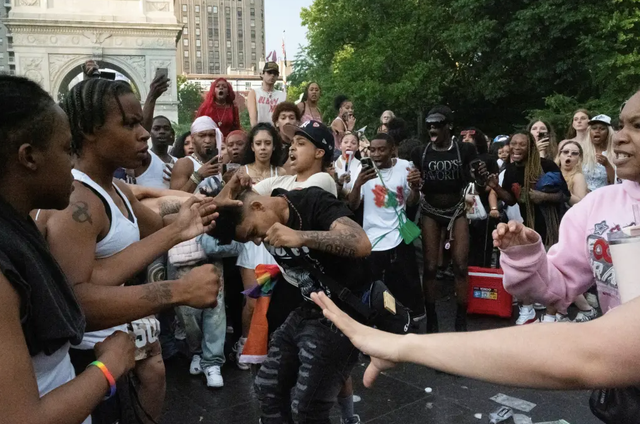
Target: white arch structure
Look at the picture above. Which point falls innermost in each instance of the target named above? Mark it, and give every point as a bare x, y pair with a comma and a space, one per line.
52, 38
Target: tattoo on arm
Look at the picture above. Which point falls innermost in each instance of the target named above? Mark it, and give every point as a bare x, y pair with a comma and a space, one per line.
340, 242
81, 212
157, 293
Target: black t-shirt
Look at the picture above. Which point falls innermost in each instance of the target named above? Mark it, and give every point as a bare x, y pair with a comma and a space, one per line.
318, 210
514, 183
444, 172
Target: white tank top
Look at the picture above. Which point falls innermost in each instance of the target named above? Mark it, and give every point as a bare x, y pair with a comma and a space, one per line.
153, 175
122, 233
213, 183
266, 102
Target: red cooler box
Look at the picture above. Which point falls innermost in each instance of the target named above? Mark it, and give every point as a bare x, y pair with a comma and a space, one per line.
487, 295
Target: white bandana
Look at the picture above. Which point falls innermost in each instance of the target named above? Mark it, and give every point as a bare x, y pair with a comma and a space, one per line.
205, 123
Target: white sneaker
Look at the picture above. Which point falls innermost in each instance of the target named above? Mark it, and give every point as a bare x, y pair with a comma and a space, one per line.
562, 318
214, 378
584, 316
592, 299
237, 349
548, 318
527, 315
195, 368
539, 306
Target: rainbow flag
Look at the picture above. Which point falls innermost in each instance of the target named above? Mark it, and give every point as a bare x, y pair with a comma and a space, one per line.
266, 276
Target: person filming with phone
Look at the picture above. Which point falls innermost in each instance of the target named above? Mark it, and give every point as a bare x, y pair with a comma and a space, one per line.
190, 172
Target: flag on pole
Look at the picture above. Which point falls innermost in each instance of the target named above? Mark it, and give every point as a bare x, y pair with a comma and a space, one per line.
284, 61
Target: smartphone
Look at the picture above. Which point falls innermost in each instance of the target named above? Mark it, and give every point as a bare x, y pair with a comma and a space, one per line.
475, 167
162, 72
229, 167
367, 163
210, 154
542, 135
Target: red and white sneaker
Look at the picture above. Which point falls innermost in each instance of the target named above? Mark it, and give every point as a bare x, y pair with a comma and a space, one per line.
527, 315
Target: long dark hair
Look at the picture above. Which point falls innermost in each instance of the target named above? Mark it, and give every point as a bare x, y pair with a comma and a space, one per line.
276, 156
479, 140
178, 146
305, 95
552, 150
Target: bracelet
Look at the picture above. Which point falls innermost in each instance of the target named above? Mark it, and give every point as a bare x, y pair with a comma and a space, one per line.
112, 382
196, 178
495, 208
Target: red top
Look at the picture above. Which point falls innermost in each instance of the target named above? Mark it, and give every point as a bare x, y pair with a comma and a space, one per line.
226, 116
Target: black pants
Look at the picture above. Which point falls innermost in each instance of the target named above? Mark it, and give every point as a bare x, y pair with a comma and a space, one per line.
398, 270
308, 362
481, 242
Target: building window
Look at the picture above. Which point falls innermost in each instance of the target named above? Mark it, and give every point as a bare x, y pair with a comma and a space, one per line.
198, 54
240, 34
198, 31
198, 44
210, 43
240, 65
197, 9
253, 22
209, 9
216, 55
253, 34
199, 67
228, 44
186, 53
247, 85
239, 13
215, 9
198, 20
1, 41
210, 32
185, 31
216, 43
184, 7
217, 66
227, 10
228, 32
185, 42
240, 53
253, 44
253, 55
228, 55
185, 20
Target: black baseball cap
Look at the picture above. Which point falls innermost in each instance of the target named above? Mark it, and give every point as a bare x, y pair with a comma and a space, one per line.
316, 132
439, 114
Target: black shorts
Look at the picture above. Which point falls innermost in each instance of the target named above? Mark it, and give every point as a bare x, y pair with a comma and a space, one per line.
398, 270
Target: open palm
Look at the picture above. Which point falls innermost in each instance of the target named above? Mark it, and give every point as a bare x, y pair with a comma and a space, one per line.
513, 234
195, 217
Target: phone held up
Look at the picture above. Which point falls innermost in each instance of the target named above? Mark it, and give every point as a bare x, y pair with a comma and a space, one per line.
367, 164
162, 72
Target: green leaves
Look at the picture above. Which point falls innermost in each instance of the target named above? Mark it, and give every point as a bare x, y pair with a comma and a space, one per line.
189, 98
494, 62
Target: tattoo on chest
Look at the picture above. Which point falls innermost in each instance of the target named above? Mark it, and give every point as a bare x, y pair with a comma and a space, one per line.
81, 212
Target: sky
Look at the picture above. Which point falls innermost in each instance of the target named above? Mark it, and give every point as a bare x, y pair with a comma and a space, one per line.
284, 15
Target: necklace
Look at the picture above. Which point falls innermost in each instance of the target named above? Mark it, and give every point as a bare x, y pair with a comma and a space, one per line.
197, 159
260, 176
224, 112
294, 209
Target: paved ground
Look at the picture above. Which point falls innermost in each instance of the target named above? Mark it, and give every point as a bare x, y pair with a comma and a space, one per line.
398, 397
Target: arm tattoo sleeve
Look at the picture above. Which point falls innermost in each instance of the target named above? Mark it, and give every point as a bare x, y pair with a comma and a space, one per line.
344, 238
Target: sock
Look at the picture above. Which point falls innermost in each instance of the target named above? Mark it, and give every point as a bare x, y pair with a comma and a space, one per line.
346, 407
528, 307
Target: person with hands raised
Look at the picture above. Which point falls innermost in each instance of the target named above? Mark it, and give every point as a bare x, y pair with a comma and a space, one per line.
105, 237
598, 153
202, 168
158, 87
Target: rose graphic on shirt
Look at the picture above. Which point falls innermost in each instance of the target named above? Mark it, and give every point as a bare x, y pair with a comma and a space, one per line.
516, 189
386, 199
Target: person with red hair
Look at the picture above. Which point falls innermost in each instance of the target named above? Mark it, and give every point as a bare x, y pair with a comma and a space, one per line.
219, 105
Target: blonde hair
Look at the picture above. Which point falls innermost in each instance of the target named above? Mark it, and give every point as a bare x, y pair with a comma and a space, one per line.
589, 157
570, 176
393, 115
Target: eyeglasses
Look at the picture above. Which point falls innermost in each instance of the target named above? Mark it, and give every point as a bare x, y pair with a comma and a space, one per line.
467, 132
569, 153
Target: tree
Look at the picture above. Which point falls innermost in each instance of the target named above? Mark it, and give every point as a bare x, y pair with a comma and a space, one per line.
189, 98
495, 63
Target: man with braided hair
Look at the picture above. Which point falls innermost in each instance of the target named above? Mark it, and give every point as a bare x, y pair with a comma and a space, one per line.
106, 237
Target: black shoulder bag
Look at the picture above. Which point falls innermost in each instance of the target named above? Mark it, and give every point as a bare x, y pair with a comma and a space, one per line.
616, 406
377, 306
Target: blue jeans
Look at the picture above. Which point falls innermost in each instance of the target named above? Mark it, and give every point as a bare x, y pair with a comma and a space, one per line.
206, 328
308, 362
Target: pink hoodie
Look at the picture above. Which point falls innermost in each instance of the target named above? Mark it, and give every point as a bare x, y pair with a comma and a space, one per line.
582, 252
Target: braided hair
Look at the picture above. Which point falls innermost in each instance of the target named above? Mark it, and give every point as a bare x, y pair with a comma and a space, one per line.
26, 116
86, 106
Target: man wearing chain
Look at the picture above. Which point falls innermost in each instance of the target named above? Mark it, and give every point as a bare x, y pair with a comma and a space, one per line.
263, 101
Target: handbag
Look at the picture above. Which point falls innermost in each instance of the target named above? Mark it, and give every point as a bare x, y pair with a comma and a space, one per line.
475, 212
616, 406
377, 305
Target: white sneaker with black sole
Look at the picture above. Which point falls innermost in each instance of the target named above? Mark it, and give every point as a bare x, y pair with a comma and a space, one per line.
195, 368
527, 315
237, 353
214, 377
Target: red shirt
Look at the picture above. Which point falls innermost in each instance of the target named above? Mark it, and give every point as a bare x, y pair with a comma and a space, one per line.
226, 117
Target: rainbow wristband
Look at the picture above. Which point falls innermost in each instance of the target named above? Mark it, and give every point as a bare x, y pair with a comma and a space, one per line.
112, 382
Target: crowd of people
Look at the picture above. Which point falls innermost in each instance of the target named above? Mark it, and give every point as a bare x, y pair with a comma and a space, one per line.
125, 245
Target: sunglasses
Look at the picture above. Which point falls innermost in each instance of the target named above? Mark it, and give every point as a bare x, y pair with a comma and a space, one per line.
570, 153
276, 73
437, 125
467, 132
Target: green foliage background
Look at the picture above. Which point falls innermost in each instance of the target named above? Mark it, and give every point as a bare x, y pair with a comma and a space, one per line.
496, 63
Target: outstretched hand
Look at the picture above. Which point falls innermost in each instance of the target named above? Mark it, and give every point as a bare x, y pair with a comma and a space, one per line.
513, 234
380, 346
196, 216
232, 189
